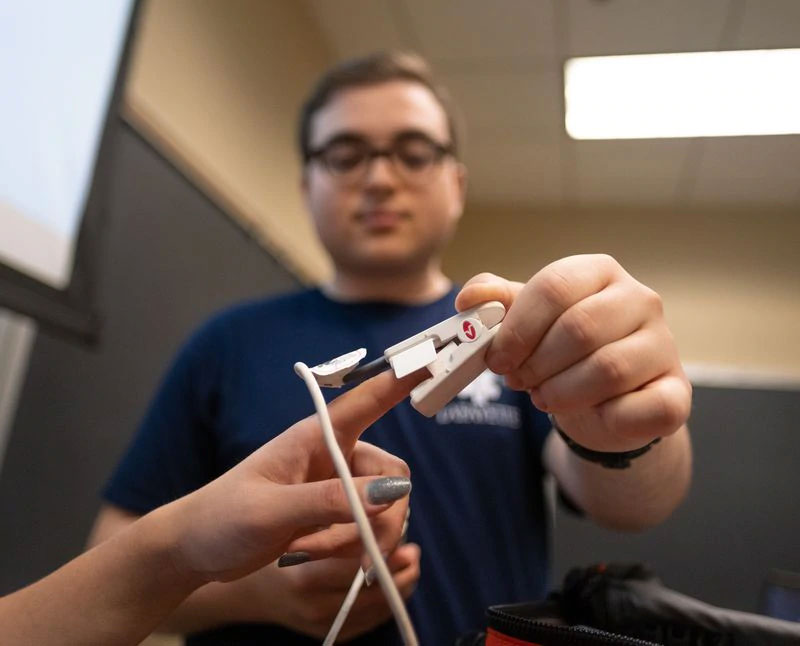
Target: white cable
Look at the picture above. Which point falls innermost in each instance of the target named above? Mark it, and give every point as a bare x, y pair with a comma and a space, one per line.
390, 590
352, 593
347, 604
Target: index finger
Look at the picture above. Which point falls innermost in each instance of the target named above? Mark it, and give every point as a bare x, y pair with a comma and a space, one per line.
356, 410
541, 301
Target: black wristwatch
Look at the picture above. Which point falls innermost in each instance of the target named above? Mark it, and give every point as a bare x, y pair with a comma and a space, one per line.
608, 459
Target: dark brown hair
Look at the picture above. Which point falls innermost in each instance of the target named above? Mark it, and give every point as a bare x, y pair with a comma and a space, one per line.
371, 70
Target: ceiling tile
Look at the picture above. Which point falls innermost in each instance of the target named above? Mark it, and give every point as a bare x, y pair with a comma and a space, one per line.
357, 27
634, 27
770, 24
749, 170
773, 191
628, 191
631, 157
515, 172
628, 172
509, 103
751, 157
483, 33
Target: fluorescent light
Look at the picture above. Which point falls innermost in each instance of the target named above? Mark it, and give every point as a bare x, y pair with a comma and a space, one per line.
699, 94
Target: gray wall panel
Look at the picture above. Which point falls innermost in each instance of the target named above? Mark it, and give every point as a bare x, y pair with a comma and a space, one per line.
742, 515
171, 258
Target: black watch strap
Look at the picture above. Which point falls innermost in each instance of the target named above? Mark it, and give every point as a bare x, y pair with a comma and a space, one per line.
608, 459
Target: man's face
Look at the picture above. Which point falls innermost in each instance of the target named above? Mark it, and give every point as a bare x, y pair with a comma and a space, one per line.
383, 223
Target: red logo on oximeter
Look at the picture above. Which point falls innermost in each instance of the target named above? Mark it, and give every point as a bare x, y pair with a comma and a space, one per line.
469, 330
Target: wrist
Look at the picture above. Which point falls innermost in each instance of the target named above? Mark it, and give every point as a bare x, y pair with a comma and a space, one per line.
607, 459
163, 536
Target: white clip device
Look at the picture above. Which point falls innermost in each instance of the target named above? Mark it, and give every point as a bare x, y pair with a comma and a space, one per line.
453, 351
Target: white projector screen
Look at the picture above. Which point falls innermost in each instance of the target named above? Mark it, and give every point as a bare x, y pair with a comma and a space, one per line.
58, 68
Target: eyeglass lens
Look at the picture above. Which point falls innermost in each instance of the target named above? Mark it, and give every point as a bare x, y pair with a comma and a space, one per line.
412, 157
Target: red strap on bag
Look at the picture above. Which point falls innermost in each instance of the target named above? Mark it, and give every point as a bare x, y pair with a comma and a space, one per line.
494, 638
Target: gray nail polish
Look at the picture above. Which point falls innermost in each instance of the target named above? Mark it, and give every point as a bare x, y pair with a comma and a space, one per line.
293, 558
385, 490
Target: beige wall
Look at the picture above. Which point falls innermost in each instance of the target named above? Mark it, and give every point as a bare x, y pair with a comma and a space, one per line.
730, 279
216, 85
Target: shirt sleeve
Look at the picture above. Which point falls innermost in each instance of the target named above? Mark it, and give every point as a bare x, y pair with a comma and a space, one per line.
173, 451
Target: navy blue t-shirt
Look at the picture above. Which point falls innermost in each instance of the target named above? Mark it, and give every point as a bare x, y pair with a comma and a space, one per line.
477, 504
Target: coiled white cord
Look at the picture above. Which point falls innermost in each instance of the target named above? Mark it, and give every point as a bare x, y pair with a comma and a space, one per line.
390, 590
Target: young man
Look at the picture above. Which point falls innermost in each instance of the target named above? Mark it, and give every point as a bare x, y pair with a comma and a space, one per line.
582, 340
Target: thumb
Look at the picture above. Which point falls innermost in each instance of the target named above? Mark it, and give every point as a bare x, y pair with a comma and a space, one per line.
487, 287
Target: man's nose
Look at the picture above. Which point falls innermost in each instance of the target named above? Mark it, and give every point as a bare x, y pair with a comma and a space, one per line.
381, 173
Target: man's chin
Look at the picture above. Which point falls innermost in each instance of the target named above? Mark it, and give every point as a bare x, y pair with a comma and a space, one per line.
386, 262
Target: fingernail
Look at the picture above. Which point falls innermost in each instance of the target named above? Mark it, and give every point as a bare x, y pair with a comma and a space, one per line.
293, 558
404, 530
499, 362
385, 490
371, 573
536, 398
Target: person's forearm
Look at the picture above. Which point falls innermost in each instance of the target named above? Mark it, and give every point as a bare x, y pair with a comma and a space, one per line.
214, 605
630, 499
208, 607
116, 593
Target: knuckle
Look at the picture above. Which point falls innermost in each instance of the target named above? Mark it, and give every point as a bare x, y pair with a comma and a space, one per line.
580, 327
670, 412
610, 365
555, 288
653, 300
608, 260
514, 338
483, 277
330, 496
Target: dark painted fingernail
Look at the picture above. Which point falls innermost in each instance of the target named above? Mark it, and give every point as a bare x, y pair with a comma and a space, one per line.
385, 490
293, 558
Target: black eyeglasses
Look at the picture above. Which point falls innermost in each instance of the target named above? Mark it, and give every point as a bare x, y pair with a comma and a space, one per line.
414, 157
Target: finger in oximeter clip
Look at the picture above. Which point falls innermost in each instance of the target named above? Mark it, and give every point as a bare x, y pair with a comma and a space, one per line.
453, 351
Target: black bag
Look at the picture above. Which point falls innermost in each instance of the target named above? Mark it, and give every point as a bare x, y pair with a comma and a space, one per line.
626, 605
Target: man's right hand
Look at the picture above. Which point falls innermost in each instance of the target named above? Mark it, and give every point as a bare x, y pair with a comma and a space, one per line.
306, 597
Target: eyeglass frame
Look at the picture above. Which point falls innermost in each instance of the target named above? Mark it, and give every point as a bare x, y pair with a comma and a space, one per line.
390, 153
